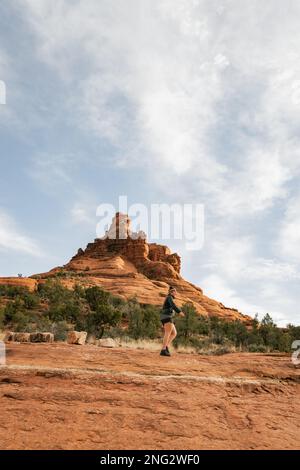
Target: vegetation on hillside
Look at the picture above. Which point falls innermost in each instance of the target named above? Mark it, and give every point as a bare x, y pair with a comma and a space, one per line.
57, 309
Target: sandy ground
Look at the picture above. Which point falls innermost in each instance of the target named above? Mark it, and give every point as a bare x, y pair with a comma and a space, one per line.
59, 396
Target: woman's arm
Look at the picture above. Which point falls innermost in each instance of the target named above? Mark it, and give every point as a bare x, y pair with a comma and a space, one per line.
174, 306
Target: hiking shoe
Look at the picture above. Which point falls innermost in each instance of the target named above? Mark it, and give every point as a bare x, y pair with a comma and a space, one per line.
164, 352
167, 349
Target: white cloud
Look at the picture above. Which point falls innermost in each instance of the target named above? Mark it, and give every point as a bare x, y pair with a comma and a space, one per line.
83, 214
162, 78
51, 170
205, 96
271, 270
227, 295
272, 301
221, 61
11, 239
288, 242
236, 259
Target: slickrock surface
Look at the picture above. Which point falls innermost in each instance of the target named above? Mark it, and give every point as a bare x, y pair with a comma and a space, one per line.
60, 396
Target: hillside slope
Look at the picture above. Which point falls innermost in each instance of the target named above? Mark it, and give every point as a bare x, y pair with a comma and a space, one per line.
126, 264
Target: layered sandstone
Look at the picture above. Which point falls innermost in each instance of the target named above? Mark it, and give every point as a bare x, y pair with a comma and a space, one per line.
125, 264
59, 396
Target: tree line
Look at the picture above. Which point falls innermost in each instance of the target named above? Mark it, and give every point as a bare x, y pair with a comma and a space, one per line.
54, 308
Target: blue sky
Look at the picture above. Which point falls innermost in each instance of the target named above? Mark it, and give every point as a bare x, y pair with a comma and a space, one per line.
165, 102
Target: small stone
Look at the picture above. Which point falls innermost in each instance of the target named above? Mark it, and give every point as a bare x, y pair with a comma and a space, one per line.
77, 337
8, 336
41, 337
107, 343
21, 337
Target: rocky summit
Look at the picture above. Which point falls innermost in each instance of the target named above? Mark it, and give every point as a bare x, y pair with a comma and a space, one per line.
125, 264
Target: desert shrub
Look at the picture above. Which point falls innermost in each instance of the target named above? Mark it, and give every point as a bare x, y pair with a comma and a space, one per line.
65, 310
203, 327
294, 332
267, 331
96, 296
53, 306
63, 303
2, 315
54, 291
136, 327
103, 314
192, 342
236, 332
260, 348
31, 300
144, 321
12, 291
42, 323
79, 291
12, 310
117, 301
216, 330
102, 318
188, 325
221, 350
151, 320
60, 330
115, 332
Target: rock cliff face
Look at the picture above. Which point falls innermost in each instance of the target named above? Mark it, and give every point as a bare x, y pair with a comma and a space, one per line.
154, 261
125, 264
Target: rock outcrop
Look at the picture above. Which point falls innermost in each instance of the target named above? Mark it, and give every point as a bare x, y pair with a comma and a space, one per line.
125, 264
107, 343
41, 337
29, 337
18, 337
77, 337
26, 282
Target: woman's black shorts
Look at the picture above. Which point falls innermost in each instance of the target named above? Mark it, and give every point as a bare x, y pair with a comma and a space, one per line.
166, 320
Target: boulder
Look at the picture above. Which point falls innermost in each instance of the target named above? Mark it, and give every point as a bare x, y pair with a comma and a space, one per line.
41, 337
21, 337
107, 343
8, 336
77, 337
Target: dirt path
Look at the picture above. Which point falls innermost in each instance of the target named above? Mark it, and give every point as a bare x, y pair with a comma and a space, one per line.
67, 397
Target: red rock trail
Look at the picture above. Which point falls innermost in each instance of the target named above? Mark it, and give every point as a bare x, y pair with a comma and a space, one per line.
58, 396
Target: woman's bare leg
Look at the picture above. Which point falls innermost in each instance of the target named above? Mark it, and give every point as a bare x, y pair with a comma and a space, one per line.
168, 327
172, 335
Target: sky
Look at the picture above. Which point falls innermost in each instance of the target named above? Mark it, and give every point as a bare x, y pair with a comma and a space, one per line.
188, 102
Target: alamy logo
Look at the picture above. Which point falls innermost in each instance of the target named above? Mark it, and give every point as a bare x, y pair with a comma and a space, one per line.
296, 354
2, 354
2, 92
158, 221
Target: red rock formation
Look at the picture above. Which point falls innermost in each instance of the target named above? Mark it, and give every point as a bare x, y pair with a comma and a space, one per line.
125, 264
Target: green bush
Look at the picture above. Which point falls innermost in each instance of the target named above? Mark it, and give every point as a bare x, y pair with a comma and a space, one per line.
53, 307
66, 310
60, 330
12, 291
188, 325
144, 322
294, 332
30, 300
103, 314
2, 316
259, 348
12, 310
102, 318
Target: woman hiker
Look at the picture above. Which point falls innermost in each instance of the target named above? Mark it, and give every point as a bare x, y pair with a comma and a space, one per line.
166, 318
